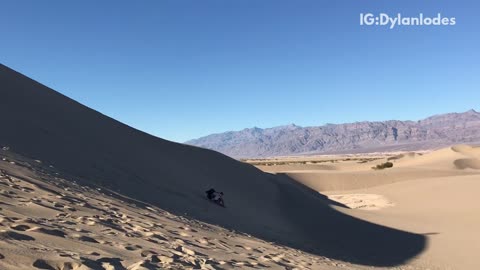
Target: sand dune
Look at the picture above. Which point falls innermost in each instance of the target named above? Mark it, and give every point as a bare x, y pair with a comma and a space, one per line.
47, 132
467, 163
454, 157
467, 150
349, 180
473, 160
349, 175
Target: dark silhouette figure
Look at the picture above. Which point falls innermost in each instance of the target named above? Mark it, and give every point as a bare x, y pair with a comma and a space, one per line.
216, 197
210, 193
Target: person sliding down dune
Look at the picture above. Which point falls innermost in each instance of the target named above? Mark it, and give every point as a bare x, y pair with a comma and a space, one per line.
216, 197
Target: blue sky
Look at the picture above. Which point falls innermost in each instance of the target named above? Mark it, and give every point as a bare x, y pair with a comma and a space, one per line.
184, 69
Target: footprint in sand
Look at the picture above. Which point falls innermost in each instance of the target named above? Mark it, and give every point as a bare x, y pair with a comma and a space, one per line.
88, 239
142, 265
15, 219
111, 233
11, 235
184, 234
67, 254
22, 188
194, 244
36, 200
132, 247
160, 236
20, 227
53, 232
147, 253
63, 215
62, 206
189, 251
9, 194
244, 247
162, 259
90, 222
203, 241
50, 264
187, 229
235, 263
80, 230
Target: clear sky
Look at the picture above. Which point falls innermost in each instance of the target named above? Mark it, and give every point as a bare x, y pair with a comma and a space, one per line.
183, 69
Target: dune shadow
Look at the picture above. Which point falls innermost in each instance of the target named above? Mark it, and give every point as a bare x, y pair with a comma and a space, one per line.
330, 233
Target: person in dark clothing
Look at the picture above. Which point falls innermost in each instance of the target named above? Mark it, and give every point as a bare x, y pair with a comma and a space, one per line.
210, 193
216, 197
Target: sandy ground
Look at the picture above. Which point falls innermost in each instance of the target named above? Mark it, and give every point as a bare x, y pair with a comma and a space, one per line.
47, 222
362, 201
434, 194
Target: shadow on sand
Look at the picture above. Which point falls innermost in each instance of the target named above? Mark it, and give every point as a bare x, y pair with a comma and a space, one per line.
336, 235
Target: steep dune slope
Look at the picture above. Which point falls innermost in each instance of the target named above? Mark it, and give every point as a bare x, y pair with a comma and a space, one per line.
47, 222
42, 124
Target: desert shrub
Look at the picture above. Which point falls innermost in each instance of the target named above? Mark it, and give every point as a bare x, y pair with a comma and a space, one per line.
383, 166
396, 157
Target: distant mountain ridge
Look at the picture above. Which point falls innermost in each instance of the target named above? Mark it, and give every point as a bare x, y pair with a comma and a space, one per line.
360, 137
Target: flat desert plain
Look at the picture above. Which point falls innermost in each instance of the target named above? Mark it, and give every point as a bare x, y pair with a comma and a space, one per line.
433, 193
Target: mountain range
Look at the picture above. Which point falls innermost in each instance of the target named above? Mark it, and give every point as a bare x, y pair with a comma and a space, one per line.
360, 137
